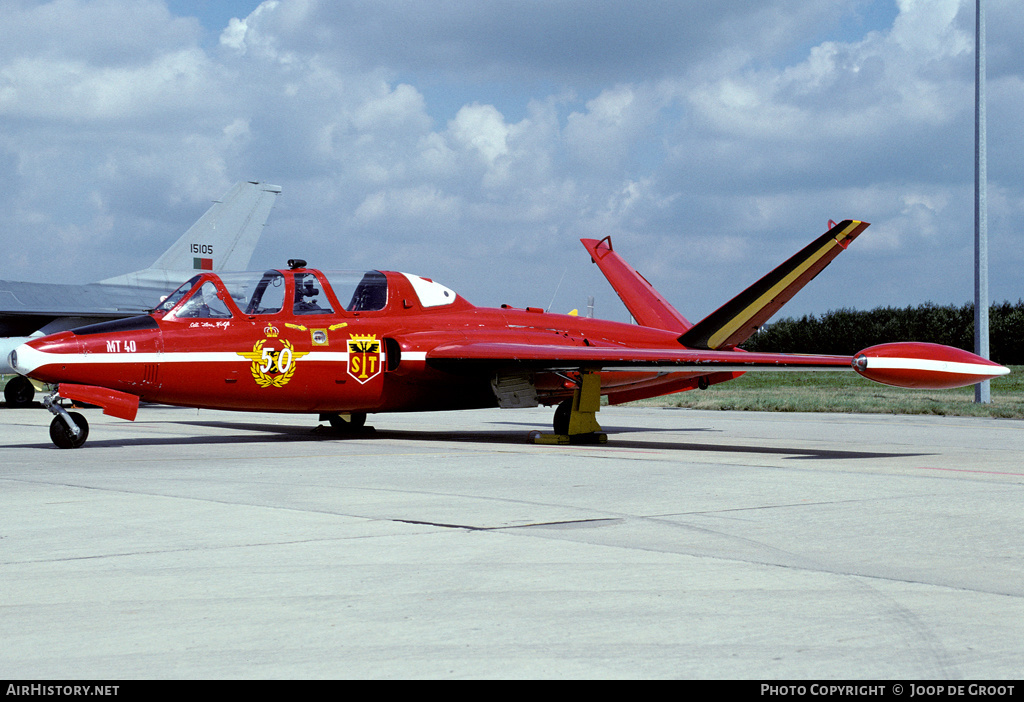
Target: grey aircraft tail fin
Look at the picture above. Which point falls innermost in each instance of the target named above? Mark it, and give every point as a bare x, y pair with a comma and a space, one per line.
224, 238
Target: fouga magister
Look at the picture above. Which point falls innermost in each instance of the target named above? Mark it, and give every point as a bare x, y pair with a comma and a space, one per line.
341, 345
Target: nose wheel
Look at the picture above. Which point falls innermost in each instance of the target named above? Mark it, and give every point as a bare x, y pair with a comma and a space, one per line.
68, 429
64, 436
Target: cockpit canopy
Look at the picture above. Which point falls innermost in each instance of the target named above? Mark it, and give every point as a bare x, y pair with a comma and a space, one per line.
298, 292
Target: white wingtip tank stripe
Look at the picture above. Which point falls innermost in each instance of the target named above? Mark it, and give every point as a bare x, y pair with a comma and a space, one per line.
924, 364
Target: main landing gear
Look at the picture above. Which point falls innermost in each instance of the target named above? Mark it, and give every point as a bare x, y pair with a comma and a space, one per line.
353, 421
68, 429
576, 419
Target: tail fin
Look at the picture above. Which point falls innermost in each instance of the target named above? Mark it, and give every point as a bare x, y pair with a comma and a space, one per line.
734, 322
645, 303
225, 237
222, 239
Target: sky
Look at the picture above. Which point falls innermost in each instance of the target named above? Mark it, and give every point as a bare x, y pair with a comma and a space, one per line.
475, 141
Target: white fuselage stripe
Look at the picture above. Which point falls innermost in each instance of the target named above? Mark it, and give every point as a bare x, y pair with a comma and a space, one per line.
191, 357
172, 357
29, 359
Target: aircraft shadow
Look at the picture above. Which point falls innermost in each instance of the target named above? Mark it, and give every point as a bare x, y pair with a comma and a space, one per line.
261, 433
612, 430
616, 443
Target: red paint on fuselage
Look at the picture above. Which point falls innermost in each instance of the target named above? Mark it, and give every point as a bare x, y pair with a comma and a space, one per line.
344, 361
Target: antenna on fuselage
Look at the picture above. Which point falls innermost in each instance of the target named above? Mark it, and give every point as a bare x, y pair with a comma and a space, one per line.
552, 303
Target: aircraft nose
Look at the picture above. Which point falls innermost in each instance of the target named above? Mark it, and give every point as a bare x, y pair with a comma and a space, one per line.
24, 359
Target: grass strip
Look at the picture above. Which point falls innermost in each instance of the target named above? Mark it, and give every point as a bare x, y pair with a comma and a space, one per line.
847, 392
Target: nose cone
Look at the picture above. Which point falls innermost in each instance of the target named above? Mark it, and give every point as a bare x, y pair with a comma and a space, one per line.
42, 358
25, 359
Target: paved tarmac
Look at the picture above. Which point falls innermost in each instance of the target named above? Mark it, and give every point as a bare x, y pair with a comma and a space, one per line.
444, 545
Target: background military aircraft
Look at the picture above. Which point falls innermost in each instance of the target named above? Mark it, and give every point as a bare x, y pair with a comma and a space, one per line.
222, 239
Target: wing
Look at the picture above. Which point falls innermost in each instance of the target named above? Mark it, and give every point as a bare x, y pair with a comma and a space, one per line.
25, 307
494, 356
904, 364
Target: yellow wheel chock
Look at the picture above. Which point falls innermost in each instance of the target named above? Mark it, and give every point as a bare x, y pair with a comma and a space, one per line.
583, 427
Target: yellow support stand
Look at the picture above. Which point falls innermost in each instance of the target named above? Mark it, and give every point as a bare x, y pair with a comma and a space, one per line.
583, 426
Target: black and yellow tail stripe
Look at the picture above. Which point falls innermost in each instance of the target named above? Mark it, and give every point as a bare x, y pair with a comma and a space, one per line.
734, 322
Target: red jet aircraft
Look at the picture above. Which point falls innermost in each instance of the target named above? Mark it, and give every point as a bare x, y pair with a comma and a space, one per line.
341, 345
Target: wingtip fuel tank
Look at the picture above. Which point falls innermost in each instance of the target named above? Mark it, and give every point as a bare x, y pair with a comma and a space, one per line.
915, 364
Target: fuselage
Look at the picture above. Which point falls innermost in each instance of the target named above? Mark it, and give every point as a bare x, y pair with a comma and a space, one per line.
303, 340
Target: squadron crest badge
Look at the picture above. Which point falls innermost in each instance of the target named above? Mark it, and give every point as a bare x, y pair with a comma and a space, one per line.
365, 358
273, 366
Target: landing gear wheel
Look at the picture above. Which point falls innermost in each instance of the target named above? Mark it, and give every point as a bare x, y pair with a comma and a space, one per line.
355, 421
562, 414
19, 392
61, 435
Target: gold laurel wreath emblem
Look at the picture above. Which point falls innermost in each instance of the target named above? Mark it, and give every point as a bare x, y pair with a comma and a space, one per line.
265, 379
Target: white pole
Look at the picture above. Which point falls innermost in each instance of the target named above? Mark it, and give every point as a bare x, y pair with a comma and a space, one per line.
981, 390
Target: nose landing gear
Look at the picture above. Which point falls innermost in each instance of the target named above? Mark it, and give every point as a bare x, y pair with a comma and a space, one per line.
68, 429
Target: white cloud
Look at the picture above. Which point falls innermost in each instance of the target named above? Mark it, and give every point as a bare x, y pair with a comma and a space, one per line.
171, 83
926, 28
233, 35
241, 34
482, 129
604, 135
408, 205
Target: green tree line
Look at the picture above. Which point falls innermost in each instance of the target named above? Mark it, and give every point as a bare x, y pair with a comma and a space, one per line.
847, 331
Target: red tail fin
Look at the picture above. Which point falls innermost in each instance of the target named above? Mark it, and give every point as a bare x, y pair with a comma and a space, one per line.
646, 304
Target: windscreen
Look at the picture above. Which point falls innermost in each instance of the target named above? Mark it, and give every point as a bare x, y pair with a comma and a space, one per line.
167, 303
